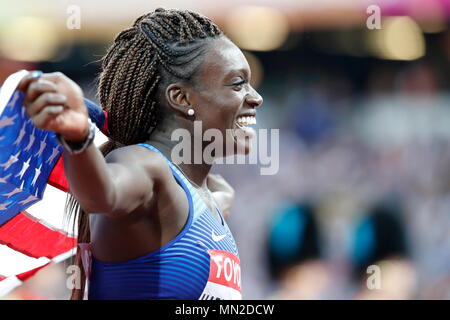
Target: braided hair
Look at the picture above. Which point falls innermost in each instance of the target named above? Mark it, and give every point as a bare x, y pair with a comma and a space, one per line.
160, 48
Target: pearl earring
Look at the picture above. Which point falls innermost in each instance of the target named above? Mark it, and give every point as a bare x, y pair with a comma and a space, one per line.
191, 112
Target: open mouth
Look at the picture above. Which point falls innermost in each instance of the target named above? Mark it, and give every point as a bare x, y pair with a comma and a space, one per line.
244, 133
243, 121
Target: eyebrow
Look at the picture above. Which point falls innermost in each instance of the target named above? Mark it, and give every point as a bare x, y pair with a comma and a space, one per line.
244, 71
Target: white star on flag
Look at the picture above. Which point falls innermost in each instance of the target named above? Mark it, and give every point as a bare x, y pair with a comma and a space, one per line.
3, 206
12, 159
21, 135
41, 147
32, 138
36, 175
13, 100
28, 200
24, 168
15, 191
3, 180
53, 156
5, 121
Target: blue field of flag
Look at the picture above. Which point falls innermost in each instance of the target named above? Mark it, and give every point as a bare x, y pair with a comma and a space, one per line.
27, 156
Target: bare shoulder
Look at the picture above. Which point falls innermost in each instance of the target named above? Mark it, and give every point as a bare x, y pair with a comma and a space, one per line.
151, 161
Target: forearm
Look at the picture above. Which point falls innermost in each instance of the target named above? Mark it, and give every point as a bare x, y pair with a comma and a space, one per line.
55, 103
89, 179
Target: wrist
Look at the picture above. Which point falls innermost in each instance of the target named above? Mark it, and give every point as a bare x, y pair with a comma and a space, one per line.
80, 136
78, 145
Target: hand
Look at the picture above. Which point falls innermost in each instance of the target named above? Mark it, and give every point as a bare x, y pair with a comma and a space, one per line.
54, 102
222, 193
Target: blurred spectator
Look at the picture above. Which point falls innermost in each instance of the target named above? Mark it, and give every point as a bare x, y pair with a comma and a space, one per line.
294, 254
380, 240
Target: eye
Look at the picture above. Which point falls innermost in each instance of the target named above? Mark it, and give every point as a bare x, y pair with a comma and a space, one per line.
238, 85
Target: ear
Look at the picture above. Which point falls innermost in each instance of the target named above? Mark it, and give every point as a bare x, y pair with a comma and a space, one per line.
177, 97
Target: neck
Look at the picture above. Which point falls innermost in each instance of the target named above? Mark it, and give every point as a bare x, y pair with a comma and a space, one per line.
161, 139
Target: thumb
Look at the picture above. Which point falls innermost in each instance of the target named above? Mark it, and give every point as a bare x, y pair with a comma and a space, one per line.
28, 79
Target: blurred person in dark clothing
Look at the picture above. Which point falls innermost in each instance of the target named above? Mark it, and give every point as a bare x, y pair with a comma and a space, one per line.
381, 255
294, 254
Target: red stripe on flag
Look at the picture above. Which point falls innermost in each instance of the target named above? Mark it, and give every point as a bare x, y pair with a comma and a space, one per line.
2, 278
24, 276
57, 177
29, 236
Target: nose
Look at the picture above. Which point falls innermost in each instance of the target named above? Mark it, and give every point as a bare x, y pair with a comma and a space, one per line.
254, 98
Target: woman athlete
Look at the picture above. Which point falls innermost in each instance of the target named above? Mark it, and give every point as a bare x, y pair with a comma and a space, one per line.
156, 230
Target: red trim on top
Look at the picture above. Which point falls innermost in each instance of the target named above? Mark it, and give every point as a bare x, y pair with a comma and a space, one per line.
105, 128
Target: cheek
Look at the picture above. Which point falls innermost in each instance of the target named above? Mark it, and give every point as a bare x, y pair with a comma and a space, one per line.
231, 106
221, 113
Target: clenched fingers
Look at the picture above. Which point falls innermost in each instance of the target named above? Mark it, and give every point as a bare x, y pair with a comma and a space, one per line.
38, 87
44, 100
42, 119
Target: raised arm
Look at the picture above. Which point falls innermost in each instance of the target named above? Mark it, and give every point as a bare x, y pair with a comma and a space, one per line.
113, 187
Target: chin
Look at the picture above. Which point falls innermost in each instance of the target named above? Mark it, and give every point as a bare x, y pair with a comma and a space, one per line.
243, 141
242, 147
238, 141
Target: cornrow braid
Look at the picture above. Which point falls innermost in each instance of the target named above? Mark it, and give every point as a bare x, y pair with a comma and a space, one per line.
160, 47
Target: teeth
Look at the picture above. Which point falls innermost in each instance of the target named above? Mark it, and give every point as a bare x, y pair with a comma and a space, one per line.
246, 120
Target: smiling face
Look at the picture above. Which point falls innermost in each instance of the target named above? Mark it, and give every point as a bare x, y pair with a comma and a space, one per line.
223, 97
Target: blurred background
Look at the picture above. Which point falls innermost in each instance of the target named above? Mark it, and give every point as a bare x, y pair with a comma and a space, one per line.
363, 186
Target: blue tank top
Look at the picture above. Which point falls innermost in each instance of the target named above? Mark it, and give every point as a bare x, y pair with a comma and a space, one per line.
201, 262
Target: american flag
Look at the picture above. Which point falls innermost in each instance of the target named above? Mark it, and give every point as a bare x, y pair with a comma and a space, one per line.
33, 231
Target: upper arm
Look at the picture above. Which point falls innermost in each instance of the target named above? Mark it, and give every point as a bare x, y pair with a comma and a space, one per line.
135, 174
